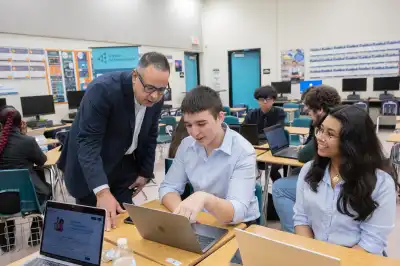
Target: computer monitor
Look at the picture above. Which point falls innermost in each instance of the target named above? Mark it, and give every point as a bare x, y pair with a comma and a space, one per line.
74, 99
353, 85
386, 84
306, 84
37, 105
3, 102
282, 87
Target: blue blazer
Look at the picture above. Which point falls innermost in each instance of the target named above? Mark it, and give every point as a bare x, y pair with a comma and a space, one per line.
102, 132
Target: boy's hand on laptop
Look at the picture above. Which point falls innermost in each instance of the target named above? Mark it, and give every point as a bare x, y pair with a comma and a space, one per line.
107, 201
192, 205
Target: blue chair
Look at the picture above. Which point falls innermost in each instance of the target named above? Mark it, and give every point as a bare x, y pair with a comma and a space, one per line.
227, 110
299, 122
260, 207
389, 108
171, 123
231, 120
20, 181
296, 113
163, 138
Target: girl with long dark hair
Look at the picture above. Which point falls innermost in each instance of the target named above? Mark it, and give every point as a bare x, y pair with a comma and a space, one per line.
18, 151
347, 195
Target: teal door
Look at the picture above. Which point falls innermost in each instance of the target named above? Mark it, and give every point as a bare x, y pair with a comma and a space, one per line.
245, 77
191, 78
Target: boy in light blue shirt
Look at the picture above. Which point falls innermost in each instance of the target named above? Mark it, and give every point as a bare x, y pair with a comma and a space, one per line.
218, 162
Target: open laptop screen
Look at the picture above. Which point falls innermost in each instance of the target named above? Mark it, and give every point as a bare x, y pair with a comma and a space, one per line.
276, 138
73, 233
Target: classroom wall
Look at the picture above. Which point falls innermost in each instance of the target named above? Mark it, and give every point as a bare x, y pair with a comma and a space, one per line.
39, 86
274, 25
166, 23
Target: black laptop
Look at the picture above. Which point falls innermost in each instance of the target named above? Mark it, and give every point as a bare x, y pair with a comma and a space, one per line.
279, 143
250, 132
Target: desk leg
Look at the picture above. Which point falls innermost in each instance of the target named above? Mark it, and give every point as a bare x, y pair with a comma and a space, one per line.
265, 195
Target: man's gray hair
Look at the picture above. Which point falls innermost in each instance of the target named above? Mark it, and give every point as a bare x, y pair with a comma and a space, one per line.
158, 60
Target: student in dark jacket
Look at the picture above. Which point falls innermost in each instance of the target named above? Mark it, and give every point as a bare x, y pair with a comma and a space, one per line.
266, 116
18, 151
317, 102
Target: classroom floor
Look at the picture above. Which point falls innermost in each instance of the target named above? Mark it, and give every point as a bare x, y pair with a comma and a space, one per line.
151, 192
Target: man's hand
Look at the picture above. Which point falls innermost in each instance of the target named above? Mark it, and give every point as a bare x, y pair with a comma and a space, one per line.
107, 201
138, 185
192, 205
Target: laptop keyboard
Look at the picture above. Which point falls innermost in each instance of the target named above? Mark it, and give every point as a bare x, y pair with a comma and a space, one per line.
204, 241
42, 262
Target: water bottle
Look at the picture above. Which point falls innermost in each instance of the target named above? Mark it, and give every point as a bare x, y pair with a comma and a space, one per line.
123, 255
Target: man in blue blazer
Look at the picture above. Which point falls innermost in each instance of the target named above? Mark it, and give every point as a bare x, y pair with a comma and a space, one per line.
108, 156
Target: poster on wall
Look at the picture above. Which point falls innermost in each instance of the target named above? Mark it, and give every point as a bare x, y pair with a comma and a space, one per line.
20, 72
355, 60
83, 71
178, 65
37, 55
5, 54
216, 79
5, 72
110, 59
68, 70
20, 54
55, 78
37, 71
292, 65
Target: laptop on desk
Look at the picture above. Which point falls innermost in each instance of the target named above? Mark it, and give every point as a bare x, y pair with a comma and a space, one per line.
72, 235
250, 132
256, 250
279, 143
174, 230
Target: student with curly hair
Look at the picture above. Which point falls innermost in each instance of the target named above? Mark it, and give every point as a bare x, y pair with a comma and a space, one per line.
317, 102
18, 151
347, 194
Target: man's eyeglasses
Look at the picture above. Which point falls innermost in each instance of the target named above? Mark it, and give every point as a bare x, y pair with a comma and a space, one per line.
150, 88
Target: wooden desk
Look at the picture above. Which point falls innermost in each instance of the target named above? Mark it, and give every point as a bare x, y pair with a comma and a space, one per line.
264, 146
162, 125
237, 109
290, 110
158, 252
140, 261
298, 130
51, 141
46, 129
53, 156
270, 159
348, 256
259, 152
394, 137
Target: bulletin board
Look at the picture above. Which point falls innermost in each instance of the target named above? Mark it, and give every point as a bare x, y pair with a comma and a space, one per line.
355, 60
67, 70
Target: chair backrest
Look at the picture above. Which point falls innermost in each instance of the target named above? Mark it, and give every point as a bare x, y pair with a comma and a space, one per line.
169, 120
20, 180
389, 108
302, 122
363, 105
293, 105
227, 110
229, 119
260, 203
168, 163
162, 130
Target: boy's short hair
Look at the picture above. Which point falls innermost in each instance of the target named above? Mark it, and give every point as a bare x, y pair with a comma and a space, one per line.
202, 98
321, 97
265, 92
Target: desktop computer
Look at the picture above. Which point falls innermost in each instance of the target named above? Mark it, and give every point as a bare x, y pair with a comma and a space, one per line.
306, 84
36, 106
353, 85
74, 101
386, 84
3, 102
282, 87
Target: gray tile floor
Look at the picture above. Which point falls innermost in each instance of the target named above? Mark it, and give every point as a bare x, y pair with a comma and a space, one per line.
151, 192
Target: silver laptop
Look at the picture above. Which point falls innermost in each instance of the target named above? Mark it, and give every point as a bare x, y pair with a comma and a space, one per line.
279, 143
256, 250
72, 235
174, 230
